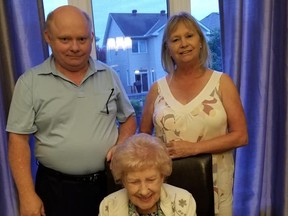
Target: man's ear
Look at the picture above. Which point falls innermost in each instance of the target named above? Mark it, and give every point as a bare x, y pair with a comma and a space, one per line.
92, 36
47, 36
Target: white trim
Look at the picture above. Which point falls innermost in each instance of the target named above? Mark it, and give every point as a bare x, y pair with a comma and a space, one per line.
176, 6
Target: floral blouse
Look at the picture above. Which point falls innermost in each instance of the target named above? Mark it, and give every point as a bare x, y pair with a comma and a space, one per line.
203, 118
133, 212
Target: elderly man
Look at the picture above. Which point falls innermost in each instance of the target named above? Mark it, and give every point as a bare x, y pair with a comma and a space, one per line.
77, 111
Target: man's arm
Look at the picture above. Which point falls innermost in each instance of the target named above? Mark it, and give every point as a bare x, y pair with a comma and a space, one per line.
19, 157
126, 129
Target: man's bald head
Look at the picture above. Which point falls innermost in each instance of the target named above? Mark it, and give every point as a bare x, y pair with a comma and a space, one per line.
66, 11
69, 34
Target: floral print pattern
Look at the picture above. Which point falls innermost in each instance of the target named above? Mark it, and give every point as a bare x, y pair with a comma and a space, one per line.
201, 119
133, 212
173, 201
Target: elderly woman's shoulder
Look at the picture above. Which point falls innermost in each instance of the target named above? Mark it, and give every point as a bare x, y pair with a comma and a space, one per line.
114, 203
120, 194
182, 201
171, 190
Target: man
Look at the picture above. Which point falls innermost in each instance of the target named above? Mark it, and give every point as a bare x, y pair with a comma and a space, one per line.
70, 104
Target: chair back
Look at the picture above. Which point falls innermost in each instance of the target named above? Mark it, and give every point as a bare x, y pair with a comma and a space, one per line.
194, 174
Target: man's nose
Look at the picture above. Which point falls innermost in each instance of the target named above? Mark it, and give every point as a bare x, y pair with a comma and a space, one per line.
74, 45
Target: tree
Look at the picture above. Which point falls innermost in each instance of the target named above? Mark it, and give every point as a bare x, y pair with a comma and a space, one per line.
214, 44
100, 52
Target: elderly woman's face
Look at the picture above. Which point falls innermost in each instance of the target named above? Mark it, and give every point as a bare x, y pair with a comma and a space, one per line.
144, 188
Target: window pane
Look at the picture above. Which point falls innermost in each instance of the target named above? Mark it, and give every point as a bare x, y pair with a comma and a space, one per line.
135, 46
142, 46
138, 61
207, 13
139, 22
51, 5
145, 82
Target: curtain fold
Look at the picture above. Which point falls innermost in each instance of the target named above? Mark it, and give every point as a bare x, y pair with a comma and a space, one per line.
255, 48
6, 60
8, 198
21, 47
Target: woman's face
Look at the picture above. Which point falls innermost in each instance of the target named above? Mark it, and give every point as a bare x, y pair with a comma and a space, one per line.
184, 44
144, 187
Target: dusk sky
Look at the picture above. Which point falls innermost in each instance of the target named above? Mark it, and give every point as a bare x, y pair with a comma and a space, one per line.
200, 9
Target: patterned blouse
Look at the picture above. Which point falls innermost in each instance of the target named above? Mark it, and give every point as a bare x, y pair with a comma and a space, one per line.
133, 212
203, 118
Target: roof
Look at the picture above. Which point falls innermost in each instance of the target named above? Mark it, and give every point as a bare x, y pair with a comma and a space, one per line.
212, 21
144, 25
137, 24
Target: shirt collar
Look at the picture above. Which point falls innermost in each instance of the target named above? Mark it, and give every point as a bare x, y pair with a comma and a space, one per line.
49, 67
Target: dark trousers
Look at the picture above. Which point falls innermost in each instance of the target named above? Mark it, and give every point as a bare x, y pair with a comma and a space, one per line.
65, 195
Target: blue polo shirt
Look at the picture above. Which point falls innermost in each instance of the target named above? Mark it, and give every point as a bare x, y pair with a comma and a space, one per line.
74, 126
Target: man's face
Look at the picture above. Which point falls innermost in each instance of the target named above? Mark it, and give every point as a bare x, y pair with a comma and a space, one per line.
70, 39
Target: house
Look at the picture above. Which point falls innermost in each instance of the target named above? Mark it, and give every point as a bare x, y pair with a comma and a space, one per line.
133, 47
212, 21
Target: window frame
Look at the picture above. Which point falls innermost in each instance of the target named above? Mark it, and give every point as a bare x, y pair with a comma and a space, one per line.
141, 46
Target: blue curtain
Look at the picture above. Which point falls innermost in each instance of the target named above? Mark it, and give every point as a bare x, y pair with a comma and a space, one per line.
21, 47
8, 199
255, 53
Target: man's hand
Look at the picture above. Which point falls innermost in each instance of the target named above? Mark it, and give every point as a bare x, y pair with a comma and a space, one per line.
110, 153
31, 205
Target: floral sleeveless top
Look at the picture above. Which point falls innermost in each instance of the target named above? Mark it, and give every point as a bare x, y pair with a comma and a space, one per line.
202, 118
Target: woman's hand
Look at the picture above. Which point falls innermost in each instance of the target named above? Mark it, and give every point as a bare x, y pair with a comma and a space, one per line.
180, 149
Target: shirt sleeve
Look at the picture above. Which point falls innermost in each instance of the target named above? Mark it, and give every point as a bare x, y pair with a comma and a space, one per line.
21, 114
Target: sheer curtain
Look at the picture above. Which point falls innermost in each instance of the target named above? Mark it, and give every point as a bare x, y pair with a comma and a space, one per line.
255, 48
21, 47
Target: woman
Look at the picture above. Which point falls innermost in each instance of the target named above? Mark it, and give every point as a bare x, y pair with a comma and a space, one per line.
141, 164
194, 109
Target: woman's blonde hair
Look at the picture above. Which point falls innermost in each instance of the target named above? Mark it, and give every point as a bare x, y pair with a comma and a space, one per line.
189, 21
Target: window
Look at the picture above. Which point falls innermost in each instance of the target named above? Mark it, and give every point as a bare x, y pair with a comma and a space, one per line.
207, 13
129, 36
51, 5
139, 46
141, 81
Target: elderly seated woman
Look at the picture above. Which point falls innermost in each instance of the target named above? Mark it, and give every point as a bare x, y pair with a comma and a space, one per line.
141, 165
